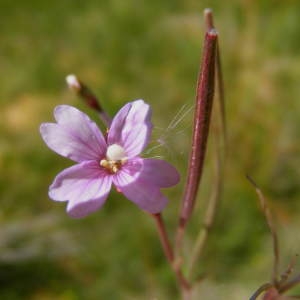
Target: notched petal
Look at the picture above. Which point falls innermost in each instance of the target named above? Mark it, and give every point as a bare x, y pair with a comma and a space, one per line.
65, 144
74, 136
82, 209
132, 125
145, 195
84, 185
159, 173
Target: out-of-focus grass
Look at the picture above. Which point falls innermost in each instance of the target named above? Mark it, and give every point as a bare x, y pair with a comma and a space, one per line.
127, 50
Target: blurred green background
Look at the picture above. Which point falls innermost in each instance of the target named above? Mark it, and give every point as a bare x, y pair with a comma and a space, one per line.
134, 49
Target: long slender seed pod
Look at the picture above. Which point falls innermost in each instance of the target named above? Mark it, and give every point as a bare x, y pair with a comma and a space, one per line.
204, 101
209, 23
219, 132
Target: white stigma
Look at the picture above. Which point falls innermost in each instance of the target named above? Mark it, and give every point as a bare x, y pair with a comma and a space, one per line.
115, 153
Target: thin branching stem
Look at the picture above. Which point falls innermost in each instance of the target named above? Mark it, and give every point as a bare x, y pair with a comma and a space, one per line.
286, 274
164, 239
290, 284
268, 216
261, 289
221, 95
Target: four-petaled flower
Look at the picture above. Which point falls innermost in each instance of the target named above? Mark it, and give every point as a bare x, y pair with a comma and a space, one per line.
103, 161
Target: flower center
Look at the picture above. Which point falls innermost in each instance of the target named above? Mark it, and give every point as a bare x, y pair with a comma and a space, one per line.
115, 158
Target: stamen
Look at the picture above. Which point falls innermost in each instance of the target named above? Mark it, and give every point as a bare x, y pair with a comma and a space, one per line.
115, 158
104, 163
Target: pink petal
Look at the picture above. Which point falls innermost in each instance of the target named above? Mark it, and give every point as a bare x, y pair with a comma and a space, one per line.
159, 172
84, 185
144, 194
131, 127
74, 136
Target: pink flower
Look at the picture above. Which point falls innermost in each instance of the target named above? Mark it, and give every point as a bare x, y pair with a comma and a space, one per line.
103, 161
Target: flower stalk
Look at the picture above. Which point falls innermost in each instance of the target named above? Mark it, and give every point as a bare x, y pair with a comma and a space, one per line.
165, 242
204, 100
279, 284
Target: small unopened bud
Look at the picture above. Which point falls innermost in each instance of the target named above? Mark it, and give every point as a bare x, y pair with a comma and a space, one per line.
88, 96
73, 83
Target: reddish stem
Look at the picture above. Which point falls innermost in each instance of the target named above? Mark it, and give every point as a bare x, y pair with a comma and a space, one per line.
164, 239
